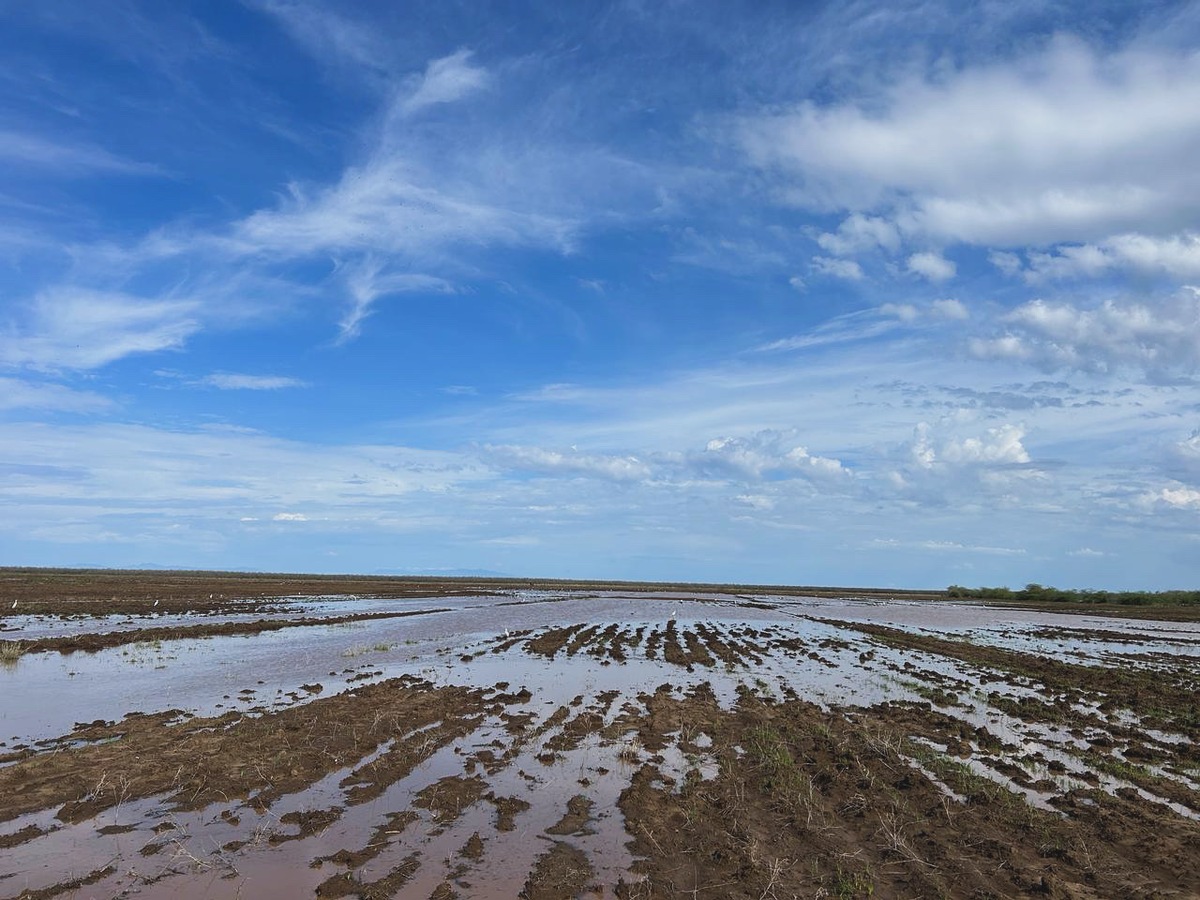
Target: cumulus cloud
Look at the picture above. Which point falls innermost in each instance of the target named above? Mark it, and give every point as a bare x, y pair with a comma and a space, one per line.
763, 455
75, 328
1176, 256
999, 447
1064, 144
858, 234
949, 309
932, 266
1189, 450
937, 467
1180, 497
770, 455
1158, 339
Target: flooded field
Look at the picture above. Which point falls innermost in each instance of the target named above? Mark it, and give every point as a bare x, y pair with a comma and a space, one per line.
559, 744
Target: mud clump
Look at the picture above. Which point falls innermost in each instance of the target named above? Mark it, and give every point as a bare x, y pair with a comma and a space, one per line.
562, 873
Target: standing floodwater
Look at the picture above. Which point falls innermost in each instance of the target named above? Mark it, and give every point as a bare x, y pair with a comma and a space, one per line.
562, 744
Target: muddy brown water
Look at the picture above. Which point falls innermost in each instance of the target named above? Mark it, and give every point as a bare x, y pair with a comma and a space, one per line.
563, 744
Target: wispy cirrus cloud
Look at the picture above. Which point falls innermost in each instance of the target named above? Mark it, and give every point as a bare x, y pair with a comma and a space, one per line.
16, 393
28, 151
368, 280
444, 81
78, 328
232, 381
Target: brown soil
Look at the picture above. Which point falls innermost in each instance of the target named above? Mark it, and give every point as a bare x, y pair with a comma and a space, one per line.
106, 591
819, 804
201, 761
770, 797
1162, 702
561, 873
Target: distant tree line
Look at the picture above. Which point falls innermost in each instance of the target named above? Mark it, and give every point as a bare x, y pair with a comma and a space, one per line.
1044, 593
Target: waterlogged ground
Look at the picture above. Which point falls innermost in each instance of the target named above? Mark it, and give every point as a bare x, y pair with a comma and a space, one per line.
557, 744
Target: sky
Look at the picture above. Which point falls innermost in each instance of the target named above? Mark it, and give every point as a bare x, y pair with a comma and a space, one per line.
896, 294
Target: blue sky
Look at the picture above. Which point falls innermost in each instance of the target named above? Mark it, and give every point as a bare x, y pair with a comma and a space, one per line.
899, 294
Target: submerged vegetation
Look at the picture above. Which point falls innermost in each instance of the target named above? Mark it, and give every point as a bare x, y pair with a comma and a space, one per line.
1044, 593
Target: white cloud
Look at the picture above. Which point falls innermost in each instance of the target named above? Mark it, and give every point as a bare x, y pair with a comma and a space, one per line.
445, 80
383, 207
848, 328
368, 280
289, 517
858, 234
1001, 445
932, 266
764, 454
1174, 498
937, 311
570, 463
226, 473
757, 502
513, 540
1086, 552
1064, 144
945, 547
1188, 451
30, 151
905, 312
1158, 339
846, 269
1006, 262
230, 381
75, 328
1177, 256
949, 309
19, 394
331, 37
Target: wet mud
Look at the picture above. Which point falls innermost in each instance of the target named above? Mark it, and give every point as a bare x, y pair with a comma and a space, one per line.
624, 745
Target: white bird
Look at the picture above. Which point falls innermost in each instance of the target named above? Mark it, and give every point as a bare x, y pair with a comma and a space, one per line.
156, 603
15, 602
